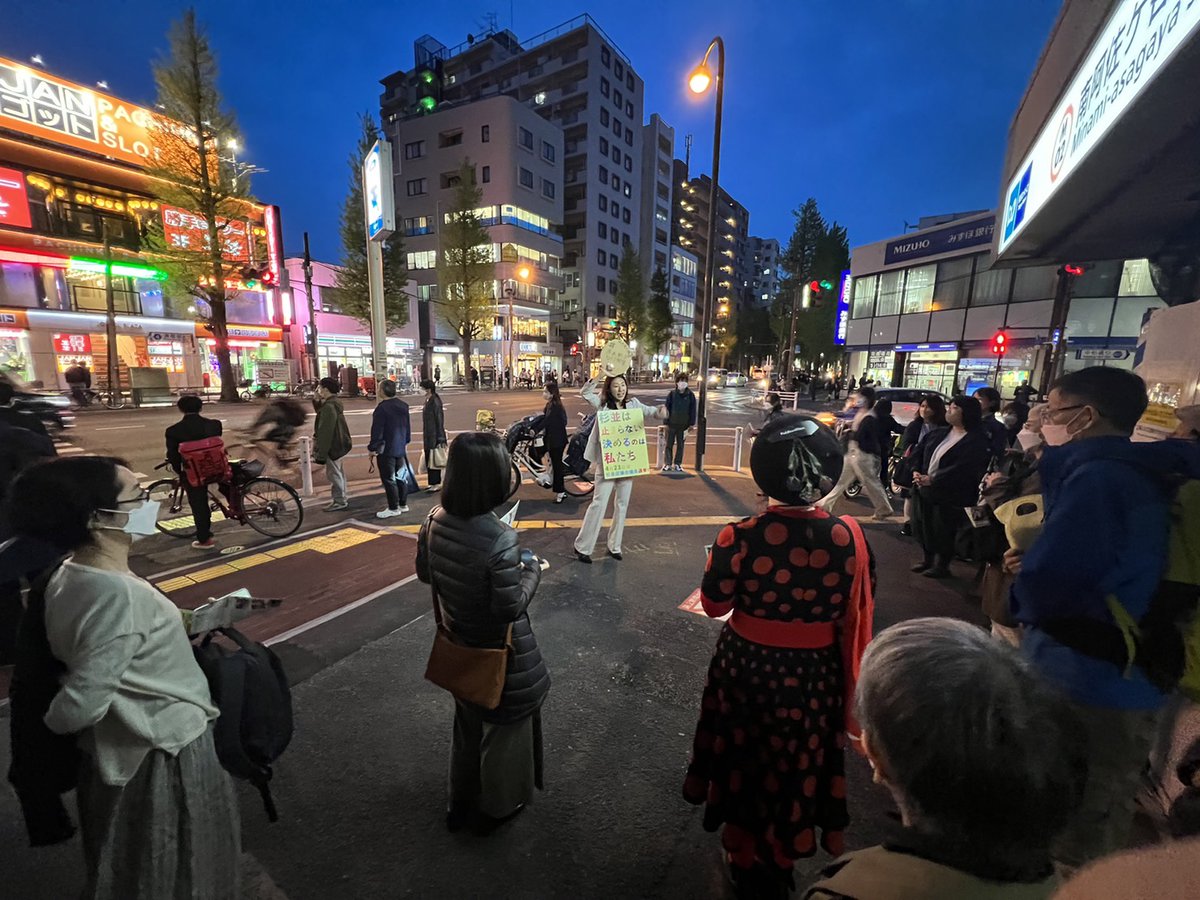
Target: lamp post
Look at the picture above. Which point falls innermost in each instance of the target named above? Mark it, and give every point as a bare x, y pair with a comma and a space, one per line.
699, 82
522, 272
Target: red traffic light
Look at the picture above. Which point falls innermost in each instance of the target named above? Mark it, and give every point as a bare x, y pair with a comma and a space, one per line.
814, 287
1000, 343
1073, 270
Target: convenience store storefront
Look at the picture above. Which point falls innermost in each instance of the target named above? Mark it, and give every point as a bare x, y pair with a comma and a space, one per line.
248, 344
355, 350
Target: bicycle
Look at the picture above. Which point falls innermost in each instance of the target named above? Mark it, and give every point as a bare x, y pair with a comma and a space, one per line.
267, 505
110, 399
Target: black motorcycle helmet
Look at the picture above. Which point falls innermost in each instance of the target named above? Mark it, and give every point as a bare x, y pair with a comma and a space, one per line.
795, 459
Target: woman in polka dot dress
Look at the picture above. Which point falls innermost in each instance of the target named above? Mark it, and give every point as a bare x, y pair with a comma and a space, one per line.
768, 756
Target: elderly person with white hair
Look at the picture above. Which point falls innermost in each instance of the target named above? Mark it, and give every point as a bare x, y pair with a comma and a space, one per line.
981, 759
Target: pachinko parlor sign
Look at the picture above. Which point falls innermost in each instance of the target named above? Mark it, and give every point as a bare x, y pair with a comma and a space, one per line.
37, 103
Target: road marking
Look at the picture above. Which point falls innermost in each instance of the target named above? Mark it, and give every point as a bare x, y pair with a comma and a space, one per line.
118, 427
341, 611
262, 548
644, 522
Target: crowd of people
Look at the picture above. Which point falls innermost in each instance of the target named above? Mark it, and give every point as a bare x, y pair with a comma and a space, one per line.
1013, 758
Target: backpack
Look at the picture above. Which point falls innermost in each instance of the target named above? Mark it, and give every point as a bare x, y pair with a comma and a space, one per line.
250, 688
205, 461
1165, 644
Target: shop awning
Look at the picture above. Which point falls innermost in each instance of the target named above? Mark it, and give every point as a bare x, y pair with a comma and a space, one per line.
1102, 158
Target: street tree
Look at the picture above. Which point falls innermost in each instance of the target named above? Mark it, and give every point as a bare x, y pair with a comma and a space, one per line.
796, 261
197, 187
660, 321
631, 295
352, 294
816, 326
465, 264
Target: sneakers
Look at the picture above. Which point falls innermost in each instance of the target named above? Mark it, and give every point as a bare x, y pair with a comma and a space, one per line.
668, 468
389, 513
560, 498
337, 507
404, 508
679, 469
210, 544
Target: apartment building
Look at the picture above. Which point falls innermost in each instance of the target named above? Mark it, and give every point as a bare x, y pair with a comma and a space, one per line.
576, 79
764, 270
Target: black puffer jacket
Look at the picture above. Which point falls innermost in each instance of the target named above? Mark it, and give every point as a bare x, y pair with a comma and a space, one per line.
483, 586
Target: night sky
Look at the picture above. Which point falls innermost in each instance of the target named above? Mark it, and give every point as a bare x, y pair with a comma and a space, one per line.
884, 110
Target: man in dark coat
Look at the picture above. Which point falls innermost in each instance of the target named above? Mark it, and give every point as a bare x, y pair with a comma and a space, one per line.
391, 430
193, 427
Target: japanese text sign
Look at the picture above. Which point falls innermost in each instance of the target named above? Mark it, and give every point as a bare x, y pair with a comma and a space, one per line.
73, 344
14, 202
622, 443
38, 104
188, 231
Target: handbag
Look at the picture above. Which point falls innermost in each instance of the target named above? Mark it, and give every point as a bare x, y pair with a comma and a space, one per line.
472, 674
438, 456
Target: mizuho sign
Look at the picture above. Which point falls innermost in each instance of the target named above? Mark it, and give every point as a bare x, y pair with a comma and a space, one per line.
1140, 38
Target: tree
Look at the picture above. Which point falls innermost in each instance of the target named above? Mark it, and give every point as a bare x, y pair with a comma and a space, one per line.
465, 265
816, 327
631, 295
353, 294
660, 322
813, 251
191, 126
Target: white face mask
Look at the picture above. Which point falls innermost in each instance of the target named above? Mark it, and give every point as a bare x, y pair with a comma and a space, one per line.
139, 521
681, 386
1010, 421
1057, 435
1027, 440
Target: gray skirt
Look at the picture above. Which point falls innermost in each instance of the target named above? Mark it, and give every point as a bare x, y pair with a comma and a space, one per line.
171, 833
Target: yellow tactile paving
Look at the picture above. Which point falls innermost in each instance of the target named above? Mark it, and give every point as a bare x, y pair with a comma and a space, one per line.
342, 539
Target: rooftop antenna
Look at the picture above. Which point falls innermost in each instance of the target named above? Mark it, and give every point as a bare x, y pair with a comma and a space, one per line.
687, 152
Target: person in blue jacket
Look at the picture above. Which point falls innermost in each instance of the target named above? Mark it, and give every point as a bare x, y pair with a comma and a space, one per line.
391, 430
997, 432
681, 418
1105, 533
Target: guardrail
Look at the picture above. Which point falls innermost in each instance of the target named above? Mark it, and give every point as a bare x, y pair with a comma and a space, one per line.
787, 398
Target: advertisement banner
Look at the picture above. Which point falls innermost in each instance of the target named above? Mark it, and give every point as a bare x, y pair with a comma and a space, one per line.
842, 322
188, 231
73, 344
943, 240
39, 104
273, 371
14, 202
623, 450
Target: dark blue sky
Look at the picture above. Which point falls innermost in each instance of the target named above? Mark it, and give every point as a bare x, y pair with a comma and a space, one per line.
884, 110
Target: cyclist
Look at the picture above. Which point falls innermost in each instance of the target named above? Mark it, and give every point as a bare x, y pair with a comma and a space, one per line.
193, 427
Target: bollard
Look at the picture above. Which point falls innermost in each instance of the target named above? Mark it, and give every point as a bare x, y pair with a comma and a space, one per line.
660, 447
306, 481
738, 434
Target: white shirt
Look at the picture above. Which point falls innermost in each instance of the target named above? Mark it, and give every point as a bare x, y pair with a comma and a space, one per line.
947, 442
132, 682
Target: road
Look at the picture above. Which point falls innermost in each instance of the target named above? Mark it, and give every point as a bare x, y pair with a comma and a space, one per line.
361, 789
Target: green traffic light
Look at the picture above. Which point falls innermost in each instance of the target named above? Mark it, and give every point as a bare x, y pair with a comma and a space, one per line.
429, 104
826, 286
427, 76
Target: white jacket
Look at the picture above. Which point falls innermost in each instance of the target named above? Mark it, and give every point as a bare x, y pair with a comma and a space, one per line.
591, 393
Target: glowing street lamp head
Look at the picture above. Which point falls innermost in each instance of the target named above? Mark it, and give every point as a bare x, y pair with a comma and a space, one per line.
700, 80
523, 273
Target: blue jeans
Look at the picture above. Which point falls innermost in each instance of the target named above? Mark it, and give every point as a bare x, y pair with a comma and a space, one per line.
392, 473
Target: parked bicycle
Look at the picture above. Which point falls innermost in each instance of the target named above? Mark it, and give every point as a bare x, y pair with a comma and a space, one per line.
267, 505
111, 399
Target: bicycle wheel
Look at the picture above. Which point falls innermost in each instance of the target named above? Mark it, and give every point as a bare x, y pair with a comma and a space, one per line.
271, 507
174, 514
114, 400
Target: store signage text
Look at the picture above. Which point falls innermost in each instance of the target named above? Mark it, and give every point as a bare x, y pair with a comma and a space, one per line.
378, 195
943, 240
921, 348
73, 343
14, 201
1102, 353
188, 231
38, 104
842, 322
1140, 38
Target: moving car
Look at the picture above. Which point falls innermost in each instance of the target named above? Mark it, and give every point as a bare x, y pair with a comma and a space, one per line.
736, 379
53, 409
716, 377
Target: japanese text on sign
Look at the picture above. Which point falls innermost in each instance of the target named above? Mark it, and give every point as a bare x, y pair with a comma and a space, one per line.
622, 443
188, 231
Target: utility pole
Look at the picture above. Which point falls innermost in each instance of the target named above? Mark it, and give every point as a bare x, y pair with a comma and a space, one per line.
110, 320
806, 300
314, 359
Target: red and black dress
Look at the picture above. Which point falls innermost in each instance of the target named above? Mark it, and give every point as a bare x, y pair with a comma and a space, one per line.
768, 757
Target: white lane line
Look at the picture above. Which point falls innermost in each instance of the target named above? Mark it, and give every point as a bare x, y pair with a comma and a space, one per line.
118, 427
341, 611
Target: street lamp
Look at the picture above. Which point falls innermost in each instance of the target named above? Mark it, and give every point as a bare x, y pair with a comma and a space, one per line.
699, 82
522, 272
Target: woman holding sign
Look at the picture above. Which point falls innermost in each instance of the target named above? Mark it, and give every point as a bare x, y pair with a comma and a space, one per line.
614, 395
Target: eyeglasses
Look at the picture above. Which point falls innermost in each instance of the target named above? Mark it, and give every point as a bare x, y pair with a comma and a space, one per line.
142, 497
1054, 412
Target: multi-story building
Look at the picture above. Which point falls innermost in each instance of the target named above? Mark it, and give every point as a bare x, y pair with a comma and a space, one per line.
575, 78
342, 340
658, 154
764, 270
72, 172
684, 292
924, 307
516, 157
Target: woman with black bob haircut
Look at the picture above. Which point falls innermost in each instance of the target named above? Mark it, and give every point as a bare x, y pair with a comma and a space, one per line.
983, 758
156, 809
768, 758
483, 583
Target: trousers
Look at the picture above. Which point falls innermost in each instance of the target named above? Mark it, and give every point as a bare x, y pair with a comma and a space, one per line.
676, 436
863, 468
492, 767
585, 542
337, 480
199, 503
935, 525
392, 474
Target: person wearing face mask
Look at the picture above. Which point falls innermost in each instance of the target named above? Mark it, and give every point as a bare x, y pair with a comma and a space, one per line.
1014, 416
681, 419
997, 431
1105, 535
613, 395
554, 436
157, 812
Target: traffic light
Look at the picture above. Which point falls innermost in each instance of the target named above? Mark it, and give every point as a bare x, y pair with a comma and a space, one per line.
254, 278
1000, 343
574, 349
1074, 269
429, 86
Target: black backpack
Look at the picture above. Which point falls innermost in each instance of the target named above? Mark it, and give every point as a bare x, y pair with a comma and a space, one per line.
250, 688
